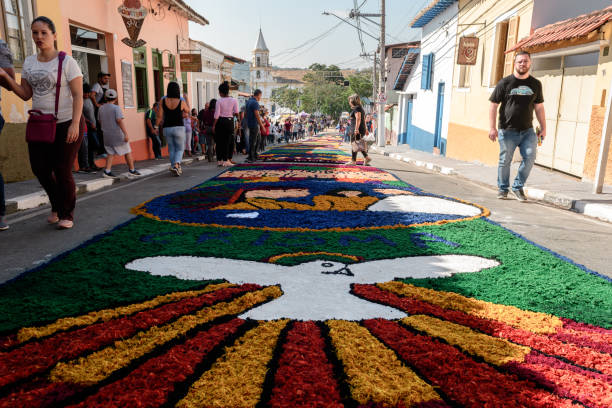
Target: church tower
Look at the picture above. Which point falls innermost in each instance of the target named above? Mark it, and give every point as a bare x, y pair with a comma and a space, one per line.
261, 71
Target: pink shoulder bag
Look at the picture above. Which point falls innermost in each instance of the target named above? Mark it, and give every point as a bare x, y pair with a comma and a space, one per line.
41, 126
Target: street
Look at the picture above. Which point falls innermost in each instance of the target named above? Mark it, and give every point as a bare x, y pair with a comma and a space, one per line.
225, 276
31, 242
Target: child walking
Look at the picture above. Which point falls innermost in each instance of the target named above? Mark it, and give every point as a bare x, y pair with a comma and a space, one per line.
116, 141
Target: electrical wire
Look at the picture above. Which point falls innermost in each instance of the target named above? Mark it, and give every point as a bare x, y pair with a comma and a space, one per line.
307, 42
292, 57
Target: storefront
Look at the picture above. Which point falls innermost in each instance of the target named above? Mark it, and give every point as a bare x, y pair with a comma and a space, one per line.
94, 36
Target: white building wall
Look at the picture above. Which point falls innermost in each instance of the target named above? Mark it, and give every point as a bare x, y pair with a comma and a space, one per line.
203, 87
438, 37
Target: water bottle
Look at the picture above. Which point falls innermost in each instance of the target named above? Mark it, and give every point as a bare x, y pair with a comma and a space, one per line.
539, 135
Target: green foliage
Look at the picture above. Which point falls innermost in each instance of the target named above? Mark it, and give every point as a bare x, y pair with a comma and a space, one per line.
324, 90
361, 84
286, 97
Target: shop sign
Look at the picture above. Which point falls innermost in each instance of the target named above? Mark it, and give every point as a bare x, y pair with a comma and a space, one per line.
190, 62
133, 14
468, 51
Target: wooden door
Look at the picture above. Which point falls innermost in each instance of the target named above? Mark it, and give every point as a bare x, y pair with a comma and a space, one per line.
551, 88
574, 118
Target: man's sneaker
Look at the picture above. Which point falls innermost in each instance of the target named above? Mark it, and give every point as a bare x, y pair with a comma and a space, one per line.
175, 171
134, 172
109, 174
502, 195
3, 225
519, 194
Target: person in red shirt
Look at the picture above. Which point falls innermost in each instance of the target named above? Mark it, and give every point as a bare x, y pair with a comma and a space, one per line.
266, 130
288, 126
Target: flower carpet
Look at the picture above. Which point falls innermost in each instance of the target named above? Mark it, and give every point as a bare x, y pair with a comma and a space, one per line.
323, 149
294, 283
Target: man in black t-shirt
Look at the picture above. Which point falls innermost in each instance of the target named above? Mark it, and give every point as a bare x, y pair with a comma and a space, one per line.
517, 96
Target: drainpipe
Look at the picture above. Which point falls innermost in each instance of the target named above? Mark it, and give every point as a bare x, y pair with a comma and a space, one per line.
604, 147
552, 162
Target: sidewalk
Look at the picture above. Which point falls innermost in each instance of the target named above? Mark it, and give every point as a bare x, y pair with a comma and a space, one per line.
544, 185
29, 194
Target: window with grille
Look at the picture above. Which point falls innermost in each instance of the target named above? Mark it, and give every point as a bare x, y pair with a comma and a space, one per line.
399, 52
140, 74
16, 14
184, 80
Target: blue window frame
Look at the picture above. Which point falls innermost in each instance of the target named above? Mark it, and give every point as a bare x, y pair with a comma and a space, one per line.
426, 75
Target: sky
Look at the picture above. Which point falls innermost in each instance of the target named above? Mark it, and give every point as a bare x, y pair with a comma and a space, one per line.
287, 24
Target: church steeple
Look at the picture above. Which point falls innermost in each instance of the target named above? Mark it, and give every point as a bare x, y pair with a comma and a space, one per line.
261, 43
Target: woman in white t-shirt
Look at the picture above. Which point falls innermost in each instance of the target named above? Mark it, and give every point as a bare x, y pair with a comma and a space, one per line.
52, 163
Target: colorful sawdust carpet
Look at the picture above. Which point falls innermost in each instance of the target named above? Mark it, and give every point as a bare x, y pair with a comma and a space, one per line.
307, 285
323, 149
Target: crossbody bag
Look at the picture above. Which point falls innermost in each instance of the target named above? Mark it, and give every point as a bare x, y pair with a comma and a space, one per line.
41, 126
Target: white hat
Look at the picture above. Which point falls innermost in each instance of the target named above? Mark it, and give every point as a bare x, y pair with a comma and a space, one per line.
110, 94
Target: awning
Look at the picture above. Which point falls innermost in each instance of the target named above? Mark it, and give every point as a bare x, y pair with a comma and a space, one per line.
567, 33
406, 68
430, 12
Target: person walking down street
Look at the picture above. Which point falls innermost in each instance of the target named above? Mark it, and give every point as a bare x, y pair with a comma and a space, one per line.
294, 130
347, 132
255, 124
116, 141
359, 131
195, 130
265, 136
226, 109
206, 119
89, 146
171, 110
97, 98
287, 130
52, 162
6, 64
153, 131
517, 96
187, 125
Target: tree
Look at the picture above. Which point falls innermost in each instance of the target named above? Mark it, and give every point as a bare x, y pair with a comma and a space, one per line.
286, 97
361, 83
324, 91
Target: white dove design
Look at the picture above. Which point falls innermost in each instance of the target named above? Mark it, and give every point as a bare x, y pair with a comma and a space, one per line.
317, 290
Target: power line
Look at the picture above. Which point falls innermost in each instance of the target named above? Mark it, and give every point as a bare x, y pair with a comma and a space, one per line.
312, 46
291, 50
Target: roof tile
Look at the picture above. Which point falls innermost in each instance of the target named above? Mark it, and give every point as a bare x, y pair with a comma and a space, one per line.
572, 28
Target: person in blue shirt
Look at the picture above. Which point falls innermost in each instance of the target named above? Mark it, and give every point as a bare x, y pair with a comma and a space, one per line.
255, 125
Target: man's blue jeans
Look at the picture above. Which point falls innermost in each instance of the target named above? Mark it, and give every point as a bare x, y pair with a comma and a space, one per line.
2, 204
509, 140
246, 136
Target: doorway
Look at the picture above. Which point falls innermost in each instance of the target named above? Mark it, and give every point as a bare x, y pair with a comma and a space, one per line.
439, 120
89, 51
158, 78
405, 137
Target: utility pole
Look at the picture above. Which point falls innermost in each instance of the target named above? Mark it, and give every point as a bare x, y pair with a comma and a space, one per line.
374, 81
374, 78
382, 82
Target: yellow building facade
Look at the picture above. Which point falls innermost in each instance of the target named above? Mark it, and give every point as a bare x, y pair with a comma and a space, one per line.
498, 24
